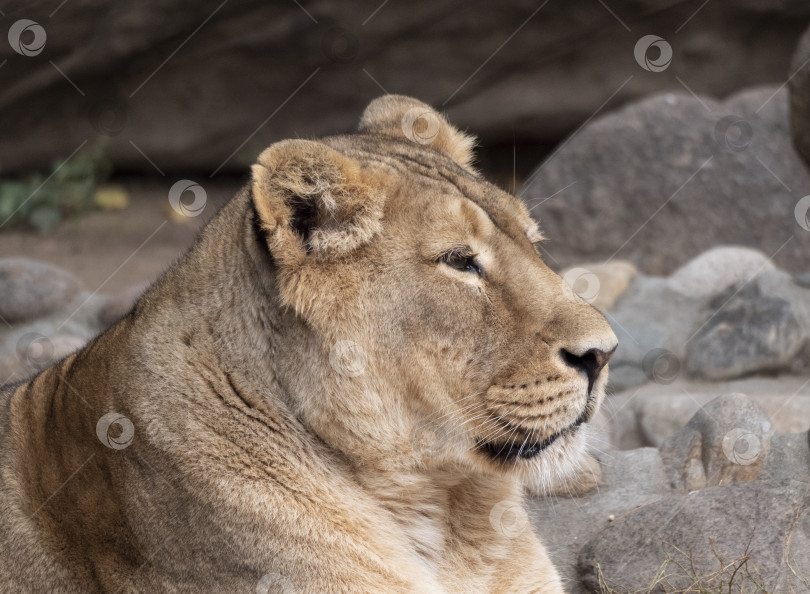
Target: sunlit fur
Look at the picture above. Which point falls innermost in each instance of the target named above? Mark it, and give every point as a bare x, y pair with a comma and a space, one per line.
317, 392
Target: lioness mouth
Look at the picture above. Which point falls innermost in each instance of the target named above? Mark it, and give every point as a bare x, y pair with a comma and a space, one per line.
509, 451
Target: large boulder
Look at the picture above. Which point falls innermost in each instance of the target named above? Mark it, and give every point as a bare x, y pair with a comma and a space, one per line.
30, 289
203, 84
728, 539
755, 327
666, 178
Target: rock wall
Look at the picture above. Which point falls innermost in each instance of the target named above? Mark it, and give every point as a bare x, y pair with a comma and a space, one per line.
206, 84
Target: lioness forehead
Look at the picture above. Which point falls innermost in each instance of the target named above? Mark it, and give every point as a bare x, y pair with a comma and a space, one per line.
406, 159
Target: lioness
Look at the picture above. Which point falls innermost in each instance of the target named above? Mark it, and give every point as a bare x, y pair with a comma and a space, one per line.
341, 387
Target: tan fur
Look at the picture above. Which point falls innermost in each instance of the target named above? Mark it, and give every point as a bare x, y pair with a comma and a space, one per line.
309, 389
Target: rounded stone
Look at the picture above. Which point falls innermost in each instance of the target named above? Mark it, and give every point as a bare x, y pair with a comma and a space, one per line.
31, 289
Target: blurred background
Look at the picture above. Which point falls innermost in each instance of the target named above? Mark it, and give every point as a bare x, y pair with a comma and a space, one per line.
641, 133
594, 112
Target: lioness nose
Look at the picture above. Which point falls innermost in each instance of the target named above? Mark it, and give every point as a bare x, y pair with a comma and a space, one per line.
590, 362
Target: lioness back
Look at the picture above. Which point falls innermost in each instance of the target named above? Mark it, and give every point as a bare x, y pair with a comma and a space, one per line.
343, 386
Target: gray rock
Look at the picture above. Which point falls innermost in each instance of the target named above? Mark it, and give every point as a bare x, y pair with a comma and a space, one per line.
629, 480
729, 441
659, 417
725, 314
244, 60
717, 269
699, 539
30, 289
802, 279
634, 180
51, 317
653, 322
758, 327
626, 376
649, 415
726, 441
47, 316
789, 458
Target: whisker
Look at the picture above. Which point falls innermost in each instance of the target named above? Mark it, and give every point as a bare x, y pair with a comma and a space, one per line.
434, 419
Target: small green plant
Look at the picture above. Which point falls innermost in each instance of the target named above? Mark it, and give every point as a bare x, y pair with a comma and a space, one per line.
41, 201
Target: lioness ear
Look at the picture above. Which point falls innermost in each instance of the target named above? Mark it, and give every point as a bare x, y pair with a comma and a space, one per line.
398, 115
313, 199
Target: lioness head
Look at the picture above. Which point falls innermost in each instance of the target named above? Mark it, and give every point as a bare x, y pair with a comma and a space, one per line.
429, 331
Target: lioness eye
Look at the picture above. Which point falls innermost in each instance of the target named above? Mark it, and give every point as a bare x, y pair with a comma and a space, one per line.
462, 260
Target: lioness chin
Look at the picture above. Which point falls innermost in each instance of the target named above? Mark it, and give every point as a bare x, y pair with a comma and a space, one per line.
341, 387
